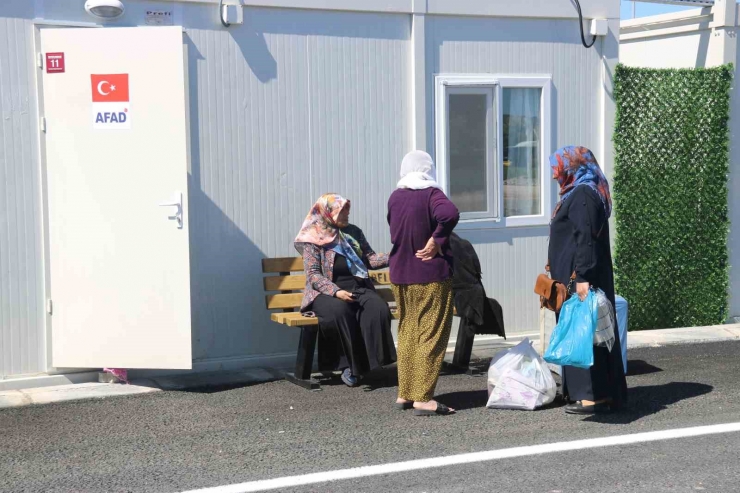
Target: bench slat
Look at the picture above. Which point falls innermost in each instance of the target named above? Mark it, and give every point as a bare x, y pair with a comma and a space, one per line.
293, 300
284, 264
298, 281
284, 283
295, 264
278, 301
381, 277
295, 319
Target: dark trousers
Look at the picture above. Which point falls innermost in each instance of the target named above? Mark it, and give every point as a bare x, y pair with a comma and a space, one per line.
590, 384
604, 380
354, 335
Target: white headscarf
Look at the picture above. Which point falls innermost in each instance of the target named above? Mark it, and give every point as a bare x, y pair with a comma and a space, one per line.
418, 172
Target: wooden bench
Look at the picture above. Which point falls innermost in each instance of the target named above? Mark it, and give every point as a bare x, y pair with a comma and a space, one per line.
284, 292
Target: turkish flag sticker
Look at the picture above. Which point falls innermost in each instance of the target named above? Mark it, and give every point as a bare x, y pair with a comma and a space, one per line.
110, 88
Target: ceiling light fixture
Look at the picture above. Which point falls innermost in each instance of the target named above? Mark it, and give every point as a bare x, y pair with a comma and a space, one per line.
105, 9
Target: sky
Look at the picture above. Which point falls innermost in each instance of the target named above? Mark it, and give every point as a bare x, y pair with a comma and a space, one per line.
645, 9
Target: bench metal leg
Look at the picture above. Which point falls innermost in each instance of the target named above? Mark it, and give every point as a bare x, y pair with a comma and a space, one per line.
463, 351
304, 360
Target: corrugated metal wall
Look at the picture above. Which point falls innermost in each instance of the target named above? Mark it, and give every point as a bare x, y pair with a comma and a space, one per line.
289, 106
21, 255
511, 259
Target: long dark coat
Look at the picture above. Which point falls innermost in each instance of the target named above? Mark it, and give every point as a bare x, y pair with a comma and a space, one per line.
478, 313
579, 241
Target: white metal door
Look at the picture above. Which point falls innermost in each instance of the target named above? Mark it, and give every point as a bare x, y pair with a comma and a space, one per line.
116, 161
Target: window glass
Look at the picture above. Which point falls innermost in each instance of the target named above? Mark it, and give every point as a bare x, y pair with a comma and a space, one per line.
468, 151
522, 144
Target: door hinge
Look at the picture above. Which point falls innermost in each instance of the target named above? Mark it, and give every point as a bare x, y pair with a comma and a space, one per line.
42, 124
49, 307
40, 60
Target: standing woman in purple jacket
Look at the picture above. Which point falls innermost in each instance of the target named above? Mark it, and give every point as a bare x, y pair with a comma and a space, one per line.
421, 219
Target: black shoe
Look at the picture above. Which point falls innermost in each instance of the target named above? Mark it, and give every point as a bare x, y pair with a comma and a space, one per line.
441, 410
579, 408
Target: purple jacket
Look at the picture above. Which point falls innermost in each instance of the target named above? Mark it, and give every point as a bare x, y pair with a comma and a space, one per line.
318, 262
415, 216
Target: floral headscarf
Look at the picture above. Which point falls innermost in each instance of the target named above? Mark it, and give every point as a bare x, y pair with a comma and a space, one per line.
320, 228
573, 166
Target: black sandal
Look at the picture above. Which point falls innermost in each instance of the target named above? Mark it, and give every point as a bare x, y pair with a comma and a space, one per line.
404, 406
441, 410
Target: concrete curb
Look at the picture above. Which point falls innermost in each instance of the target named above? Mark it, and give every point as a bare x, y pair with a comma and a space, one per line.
638, 339
73, 392
36, 381
95, 390
693, 335
485, 346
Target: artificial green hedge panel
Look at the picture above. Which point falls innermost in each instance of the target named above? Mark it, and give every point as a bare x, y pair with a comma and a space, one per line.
670, 195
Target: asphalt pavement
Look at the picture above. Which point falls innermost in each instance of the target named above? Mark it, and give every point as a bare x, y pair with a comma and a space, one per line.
183, 440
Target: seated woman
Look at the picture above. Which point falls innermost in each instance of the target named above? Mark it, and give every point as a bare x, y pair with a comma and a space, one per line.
354, 321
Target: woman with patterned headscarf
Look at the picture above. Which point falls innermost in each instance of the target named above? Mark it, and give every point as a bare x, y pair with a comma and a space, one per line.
579, 244
354, 321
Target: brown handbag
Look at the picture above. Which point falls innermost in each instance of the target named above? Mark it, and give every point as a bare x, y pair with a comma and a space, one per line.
552, 293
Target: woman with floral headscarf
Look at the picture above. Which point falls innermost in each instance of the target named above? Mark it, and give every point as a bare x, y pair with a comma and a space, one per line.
354, 321
579, 244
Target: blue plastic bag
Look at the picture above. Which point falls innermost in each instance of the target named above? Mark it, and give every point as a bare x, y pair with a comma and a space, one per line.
572, 339
622, 315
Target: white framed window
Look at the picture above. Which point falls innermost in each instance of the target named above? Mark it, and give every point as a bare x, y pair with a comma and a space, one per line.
492, 145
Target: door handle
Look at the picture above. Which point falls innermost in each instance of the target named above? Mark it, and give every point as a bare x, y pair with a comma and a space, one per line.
175, 203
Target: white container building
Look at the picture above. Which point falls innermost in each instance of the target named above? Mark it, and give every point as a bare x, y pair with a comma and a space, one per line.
245, 126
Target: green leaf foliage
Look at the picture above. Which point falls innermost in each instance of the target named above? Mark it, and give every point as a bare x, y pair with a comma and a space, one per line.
670, 195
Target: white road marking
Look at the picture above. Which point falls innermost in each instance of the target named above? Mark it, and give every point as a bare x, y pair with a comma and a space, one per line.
415, 465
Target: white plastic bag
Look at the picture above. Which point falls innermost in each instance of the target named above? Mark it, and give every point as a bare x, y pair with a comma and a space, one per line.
519, 379
604, 335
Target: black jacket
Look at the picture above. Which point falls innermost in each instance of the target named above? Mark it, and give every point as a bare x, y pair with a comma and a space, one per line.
479, 314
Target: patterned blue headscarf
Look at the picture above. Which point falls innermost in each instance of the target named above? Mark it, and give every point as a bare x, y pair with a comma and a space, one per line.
573, 166
346, 247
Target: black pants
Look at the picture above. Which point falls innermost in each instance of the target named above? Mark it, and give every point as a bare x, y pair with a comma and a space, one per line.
355, 335
590, 384
604, 380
